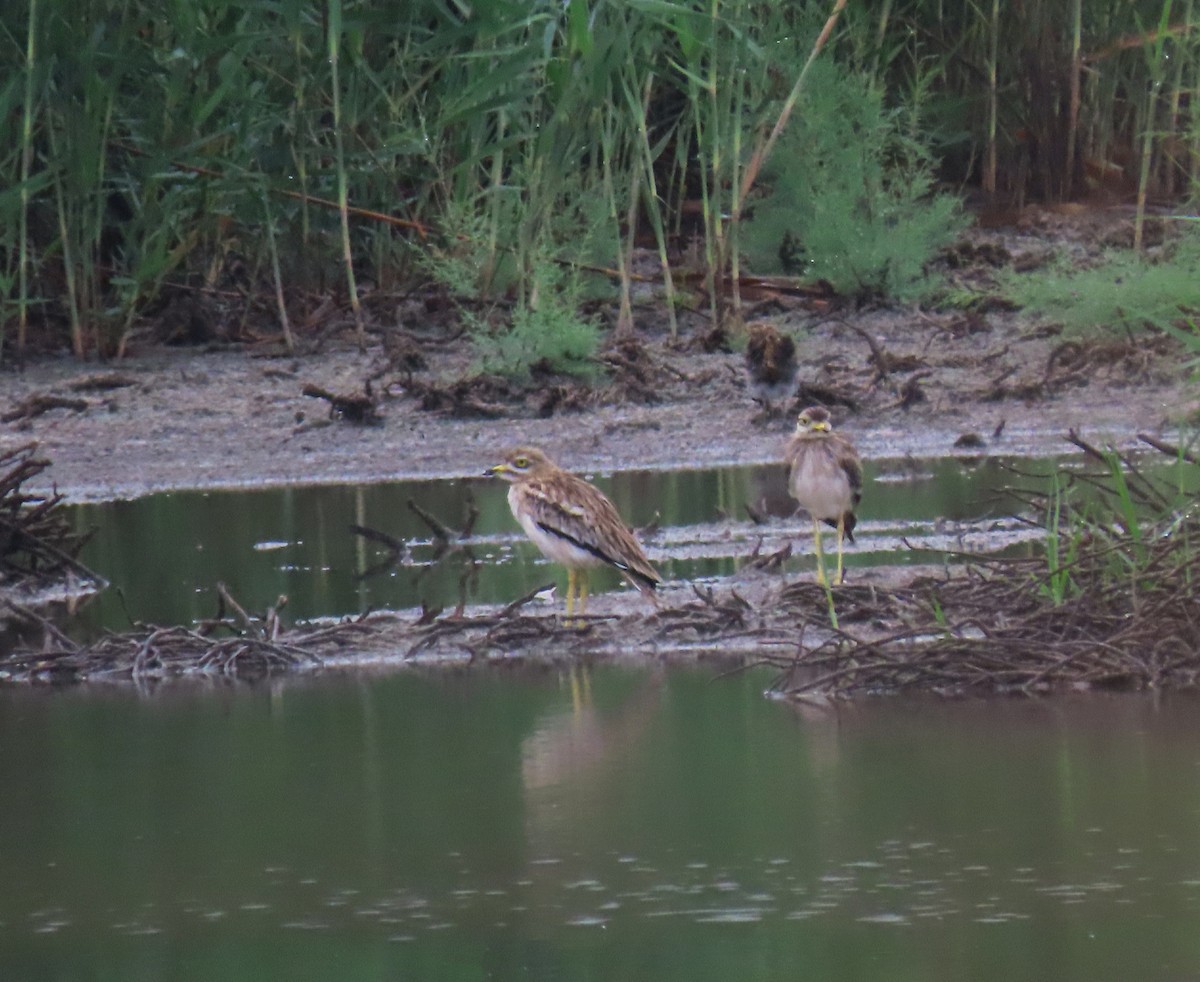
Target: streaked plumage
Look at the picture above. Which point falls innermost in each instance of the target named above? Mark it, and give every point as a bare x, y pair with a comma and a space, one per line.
770, 366
826, 478
571, 522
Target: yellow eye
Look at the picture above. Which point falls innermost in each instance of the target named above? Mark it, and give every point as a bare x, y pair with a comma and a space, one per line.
521, 462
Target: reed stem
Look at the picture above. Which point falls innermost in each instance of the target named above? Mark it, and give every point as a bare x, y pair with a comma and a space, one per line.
26, 170
334, 48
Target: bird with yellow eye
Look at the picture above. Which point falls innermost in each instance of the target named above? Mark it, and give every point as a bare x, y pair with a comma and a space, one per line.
825, 476
572, 523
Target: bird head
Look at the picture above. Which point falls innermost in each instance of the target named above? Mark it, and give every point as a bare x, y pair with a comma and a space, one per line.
520, 463
815, 419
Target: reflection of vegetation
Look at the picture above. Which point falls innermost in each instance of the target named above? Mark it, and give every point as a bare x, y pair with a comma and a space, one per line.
449, 549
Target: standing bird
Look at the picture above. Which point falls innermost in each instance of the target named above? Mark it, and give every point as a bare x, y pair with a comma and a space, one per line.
826, 478
572, 523
770, 366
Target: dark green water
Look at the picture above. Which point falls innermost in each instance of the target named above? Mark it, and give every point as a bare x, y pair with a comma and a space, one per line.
166, 552
616, 824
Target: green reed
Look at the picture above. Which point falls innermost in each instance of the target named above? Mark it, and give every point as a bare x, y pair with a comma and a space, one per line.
140, 135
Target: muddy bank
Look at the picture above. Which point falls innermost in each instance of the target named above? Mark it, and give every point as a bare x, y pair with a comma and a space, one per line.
171, 418
901, 381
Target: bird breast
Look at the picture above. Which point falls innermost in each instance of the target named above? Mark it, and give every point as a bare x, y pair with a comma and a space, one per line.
820, 484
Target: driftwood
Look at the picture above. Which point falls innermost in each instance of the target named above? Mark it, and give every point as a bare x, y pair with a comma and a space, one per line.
42, 402
239, 646
986, 628
359, 408
103, 382
36, 540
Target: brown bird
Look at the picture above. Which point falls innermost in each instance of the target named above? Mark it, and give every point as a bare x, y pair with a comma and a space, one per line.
572, 523
826, 478
770, 366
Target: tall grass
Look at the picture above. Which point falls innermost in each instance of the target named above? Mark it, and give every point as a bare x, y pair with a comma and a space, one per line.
1123, 523
137, 137
1056, 98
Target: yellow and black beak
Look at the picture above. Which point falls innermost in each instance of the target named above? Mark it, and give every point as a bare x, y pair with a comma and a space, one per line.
497, 470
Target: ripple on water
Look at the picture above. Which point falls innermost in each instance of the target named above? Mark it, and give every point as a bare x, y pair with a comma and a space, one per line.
886, 917
743, 915
901, 885
587, 920
306, 925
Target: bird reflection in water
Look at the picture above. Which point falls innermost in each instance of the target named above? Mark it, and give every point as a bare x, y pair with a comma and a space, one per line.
569, 756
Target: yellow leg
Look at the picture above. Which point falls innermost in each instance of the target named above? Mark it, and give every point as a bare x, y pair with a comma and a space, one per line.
820, 553
841, 529
570, 592
583, 591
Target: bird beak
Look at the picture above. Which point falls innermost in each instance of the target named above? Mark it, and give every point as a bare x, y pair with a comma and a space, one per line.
822, 427
497, 470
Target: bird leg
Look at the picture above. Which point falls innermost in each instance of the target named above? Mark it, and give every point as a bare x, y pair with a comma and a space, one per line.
841, 535
820, 553
583, 592
577, 595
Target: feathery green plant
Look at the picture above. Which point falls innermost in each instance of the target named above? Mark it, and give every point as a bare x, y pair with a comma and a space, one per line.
1125, 291
850, 196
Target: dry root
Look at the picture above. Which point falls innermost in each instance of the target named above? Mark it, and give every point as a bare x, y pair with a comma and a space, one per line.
36, 540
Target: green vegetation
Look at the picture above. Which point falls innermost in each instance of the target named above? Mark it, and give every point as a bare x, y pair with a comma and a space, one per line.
1122, 529
850, 195
265, 155
550, 334
1125, 291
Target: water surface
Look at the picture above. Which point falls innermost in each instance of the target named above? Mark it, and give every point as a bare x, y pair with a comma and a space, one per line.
608, 824
166, 552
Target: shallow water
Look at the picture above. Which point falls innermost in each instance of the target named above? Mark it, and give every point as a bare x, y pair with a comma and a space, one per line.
166, 552
604, 824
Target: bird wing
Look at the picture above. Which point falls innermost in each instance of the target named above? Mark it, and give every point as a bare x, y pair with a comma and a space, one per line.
849, 461
851, 464
570, 508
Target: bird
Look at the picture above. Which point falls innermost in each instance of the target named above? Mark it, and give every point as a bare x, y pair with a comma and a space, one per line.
770, 366
572, 523
826, 478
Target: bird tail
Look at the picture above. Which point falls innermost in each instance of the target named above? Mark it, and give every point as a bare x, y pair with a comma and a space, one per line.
849, 522
643, 581
646, 583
